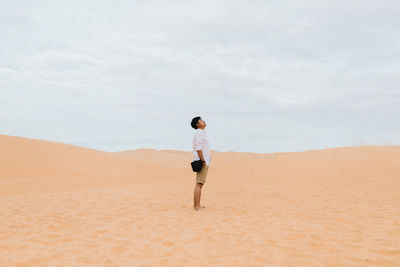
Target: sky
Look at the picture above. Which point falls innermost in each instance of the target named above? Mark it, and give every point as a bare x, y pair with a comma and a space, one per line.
266, 76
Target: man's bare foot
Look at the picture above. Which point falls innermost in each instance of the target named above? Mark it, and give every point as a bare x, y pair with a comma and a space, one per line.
199, 207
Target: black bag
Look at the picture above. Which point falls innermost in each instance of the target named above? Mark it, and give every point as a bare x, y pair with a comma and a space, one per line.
197, 165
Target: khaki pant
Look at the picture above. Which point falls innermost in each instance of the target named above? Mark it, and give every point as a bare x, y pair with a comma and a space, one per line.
202, 175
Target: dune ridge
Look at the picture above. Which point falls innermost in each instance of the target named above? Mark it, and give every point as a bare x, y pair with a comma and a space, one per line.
65, 205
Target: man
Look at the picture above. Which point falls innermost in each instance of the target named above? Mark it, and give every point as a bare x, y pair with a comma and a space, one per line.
201, 150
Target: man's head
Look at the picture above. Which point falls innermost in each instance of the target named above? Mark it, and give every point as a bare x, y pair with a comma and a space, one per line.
198, 123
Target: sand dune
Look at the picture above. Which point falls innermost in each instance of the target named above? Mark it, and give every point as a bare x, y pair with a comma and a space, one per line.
63, 205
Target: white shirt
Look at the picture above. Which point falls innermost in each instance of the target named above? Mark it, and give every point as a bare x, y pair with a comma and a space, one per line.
200, 141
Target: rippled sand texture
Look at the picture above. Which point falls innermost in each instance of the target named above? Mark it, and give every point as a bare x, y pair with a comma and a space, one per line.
62, 205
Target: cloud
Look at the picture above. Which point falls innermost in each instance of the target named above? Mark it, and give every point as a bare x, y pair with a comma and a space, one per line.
266, 75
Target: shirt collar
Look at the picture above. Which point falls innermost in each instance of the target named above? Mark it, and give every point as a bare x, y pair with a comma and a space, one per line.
200, 130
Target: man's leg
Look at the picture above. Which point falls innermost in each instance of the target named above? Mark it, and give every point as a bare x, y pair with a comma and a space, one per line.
197, 196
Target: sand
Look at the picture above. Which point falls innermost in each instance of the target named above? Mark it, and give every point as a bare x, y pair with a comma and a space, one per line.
63, 205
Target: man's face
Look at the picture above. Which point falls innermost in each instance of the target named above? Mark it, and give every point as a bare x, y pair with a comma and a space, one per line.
201, 123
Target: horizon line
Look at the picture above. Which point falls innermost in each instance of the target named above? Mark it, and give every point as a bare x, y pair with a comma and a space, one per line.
229, 151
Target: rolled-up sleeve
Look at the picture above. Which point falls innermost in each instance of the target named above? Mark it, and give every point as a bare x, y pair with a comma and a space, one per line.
198, 140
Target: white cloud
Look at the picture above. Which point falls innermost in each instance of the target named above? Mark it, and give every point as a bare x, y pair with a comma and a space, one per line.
266, 75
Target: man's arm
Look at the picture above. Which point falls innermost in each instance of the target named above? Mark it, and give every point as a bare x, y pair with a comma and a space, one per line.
200, 153
199, 145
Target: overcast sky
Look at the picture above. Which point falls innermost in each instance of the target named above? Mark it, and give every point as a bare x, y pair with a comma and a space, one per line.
266, 76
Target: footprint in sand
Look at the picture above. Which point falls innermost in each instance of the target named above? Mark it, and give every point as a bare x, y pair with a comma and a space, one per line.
119, 250
168, 243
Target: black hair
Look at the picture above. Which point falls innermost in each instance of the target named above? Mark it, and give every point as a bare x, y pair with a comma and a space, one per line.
194, 122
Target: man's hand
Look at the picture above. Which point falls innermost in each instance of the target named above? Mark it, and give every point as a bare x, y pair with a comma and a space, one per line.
204, 164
